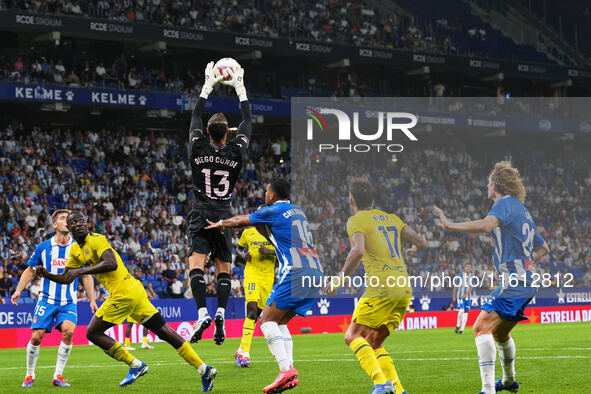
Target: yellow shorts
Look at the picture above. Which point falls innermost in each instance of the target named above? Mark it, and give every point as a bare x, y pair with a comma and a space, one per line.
130, 302
377, 312
257, 290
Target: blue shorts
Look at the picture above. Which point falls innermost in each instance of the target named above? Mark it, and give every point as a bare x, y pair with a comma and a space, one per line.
464, 304
509, 302
281, 295
46, 316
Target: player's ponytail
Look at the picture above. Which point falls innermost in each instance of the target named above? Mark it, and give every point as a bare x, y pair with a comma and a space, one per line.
508, 181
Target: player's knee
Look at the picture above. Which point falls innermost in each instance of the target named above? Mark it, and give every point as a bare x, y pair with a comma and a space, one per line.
501, 337
155, 323
349, 337
67, 335
37, 337
251, 314
90, 335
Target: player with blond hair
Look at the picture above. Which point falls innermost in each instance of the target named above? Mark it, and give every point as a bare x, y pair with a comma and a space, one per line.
518, 246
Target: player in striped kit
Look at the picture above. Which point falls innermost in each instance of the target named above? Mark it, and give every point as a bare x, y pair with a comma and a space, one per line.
518, 248
461, 295
56, 306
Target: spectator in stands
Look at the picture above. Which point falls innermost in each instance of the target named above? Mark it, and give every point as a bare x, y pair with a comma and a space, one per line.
6, 286
176, 288
211, 289
587, 278
100, 294
150, 291
169, 274
35, 288
236, 286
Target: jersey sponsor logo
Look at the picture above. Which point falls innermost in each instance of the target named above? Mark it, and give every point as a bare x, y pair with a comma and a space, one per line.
307, 252
59, 262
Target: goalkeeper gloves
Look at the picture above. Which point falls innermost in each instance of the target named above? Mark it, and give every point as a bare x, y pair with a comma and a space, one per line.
236, 81
210, 81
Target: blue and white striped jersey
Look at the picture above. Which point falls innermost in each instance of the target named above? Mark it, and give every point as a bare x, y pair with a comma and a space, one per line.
463, 288
515, 238
54, 257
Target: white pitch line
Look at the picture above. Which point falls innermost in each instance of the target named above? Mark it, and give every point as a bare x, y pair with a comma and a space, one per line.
474, 350
115, 365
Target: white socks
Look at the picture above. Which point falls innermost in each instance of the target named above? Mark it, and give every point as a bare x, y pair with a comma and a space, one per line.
202, 312
486, 359
464, 320
460, 316
507, 356
135, 363
63, 353
287, 342
274, 339
32, 356
221, 311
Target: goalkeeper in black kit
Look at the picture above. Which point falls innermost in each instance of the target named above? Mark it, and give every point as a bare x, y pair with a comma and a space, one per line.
215, 164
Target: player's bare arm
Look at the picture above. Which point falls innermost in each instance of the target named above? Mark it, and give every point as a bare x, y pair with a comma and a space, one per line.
475, 226
540, 252
265, 251
108, 263
355, 254
243, 253
26, 277
418, 241
88, 283
352, 261
233, 222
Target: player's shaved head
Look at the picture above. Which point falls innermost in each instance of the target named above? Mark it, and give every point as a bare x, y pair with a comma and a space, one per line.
74, 215
281, 188
217, 126
362, 192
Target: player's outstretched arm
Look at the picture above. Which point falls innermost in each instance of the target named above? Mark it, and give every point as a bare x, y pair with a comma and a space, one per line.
196, 127
355, 254
475, 226
26, 277
237, 82
89, 287
63, 278
540, 252
233, 222
418, 241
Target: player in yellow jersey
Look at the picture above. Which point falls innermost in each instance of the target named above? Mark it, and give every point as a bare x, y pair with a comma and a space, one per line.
259, 275
92, 254
376, 238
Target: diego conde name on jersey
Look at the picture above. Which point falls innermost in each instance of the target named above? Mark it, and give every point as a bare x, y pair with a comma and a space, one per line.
217, 160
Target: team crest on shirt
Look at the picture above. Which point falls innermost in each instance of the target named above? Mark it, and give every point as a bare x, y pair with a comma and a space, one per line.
87, 252
34, 319
60, 262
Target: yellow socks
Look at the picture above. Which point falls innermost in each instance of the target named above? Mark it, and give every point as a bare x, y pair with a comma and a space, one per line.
367, 360
120, 354
247, 333
127, 342
190, 356
145, 340
387, 365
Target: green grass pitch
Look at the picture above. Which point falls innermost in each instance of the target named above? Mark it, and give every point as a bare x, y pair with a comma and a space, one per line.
553, 358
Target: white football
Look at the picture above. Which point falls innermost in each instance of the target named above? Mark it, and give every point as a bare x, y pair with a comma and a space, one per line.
222, 65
